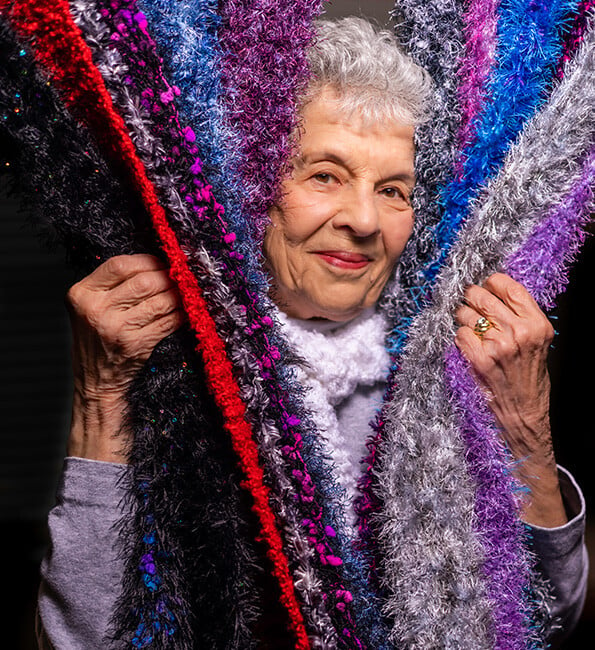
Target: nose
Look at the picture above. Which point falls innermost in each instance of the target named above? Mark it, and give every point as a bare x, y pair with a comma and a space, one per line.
358, 214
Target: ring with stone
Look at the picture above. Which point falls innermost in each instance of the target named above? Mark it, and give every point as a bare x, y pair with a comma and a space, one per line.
482, 325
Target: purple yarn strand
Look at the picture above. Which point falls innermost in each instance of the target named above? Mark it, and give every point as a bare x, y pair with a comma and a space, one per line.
541, 265
496, 510
264, 69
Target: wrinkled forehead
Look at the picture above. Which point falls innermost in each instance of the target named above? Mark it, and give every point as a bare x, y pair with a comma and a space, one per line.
327, 122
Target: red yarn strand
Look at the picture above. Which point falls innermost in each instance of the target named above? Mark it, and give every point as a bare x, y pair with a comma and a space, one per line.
61, 49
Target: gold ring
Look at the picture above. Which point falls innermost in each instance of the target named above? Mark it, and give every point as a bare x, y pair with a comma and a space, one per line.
482, 325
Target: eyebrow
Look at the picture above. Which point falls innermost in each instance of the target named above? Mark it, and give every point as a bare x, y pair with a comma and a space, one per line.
333, 157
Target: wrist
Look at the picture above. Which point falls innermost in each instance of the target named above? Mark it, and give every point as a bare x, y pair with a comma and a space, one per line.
544, 505
97, 431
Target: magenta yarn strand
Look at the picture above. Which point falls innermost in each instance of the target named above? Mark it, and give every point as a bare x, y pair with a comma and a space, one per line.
481, 28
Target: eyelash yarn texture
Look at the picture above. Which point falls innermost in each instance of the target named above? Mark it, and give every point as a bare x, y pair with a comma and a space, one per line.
202, 101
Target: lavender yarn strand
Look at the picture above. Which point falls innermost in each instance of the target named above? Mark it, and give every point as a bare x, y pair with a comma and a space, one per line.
422, 446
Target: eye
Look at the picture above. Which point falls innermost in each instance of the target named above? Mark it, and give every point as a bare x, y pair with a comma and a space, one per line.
323, 178
398, 197
393, 192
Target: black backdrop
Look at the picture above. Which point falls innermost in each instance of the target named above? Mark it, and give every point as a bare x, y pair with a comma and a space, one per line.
35, 381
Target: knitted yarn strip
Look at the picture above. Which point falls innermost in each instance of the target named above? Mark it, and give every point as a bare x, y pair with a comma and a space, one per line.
186, 35
69, 204
507, 213
502, 534
228, 314
481, 22
263, 71
579, 25
541, 264
95, 218
529, 46
432, 33
81, 80
338, 591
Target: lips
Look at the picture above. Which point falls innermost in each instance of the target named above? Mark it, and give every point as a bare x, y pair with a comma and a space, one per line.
344, 259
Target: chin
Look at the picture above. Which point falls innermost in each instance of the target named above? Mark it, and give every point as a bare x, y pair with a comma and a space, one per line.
339, 312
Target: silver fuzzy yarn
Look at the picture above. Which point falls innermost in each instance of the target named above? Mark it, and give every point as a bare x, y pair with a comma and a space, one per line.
229, 317
432, 33
433, 565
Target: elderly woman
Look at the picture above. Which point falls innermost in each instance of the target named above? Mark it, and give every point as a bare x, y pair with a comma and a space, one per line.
343, 218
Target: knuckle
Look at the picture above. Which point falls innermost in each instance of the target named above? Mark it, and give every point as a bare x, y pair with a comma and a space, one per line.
74, 295
118, 265
109, 330
524, 334
141, 283
550, 332
516, 292
484, 365
504, 348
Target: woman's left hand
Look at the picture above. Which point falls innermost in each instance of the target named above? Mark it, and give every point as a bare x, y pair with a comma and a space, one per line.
510, 360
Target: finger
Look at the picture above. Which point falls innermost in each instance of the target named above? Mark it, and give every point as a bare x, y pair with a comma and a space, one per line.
166, 325
118, 269
474, 350
469, 317
531, 324
141, 287
153, 309
513, 294
485, 303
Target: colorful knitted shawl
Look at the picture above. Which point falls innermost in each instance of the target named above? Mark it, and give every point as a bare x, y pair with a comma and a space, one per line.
161, 126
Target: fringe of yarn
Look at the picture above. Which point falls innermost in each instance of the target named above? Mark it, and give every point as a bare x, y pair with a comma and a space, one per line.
481, 23
340, 593
95, 218
431, 33
229, 315
579, 25
542, 263
186, 35
84, 87
263, 71
502, 220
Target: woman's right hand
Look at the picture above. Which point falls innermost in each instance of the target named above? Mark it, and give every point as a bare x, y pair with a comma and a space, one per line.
118, 315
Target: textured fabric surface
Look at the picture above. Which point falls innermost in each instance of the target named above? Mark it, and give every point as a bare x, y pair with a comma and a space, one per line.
170, 130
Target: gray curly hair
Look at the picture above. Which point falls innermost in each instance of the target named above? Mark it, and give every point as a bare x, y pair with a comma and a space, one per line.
368, 71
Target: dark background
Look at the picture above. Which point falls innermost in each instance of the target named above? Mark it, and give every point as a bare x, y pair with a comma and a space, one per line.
35, 379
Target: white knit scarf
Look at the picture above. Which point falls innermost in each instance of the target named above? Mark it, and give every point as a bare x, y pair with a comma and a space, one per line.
338, 358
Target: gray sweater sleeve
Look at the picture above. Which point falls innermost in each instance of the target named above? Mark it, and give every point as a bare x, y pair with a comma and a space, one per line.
563, 558
81, 573
82, 570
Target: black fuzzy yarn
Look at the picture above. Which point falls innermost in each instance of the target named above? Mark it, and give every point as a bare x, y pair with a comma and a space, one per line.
187, 488
214, 574
54, 167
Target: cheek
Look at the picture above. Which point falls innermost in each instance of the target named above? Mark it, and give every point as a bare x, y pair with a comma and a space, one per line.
397, 237
274, 248
302, 215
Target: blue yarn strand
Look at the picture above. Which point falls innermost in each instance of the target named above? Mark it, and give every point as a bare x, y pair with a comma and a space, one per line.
529, 48
186, 34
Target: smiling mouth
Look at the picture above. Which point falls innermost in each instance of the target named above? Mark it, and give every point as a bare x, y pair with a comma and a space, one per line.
344, 259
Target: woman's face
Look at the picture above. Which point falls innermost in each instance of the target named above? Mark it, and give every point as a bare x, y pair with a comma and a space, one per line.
344, 216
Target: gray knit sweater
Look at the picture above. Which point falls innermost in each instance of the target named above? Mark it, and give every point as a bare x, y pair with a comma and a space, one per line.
82, 570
